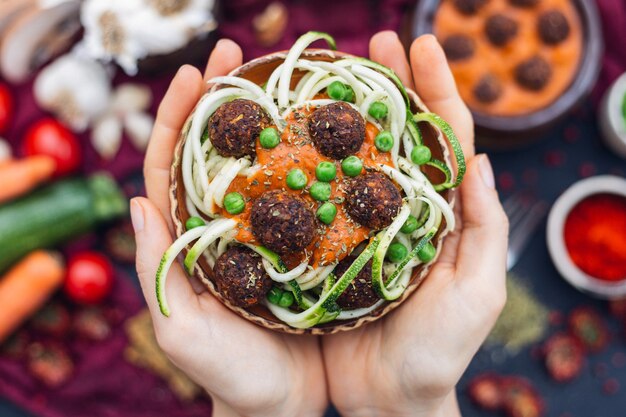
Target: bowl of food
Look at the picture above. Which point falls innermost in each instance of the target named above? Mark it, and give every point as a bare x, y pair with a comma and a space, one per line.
310, 191
520, 65
586, 236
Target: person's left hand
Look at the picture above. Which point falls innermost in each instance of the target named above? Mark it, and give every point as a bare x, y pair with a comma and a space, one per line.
247, 370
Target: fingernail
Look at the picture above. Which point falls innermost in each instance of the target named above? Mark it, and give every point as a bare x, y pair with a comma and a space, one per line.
136, 215
486, 172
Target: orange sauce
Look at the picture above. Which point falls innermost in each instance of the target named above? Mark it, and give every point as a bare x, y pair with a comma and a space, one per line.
501, 61
332, 242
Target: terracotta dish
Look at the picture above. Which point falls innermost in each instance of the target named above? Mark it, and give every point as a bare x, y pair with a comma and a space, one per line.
310, 192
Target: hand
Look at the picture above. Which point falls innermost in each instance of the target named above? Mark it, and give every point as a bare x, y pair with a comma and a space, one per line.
247, 370
409, 362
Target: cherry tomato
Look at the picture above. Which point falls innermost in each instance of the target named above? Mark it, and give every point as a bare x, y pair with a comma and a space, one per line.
6, 108
50, 137
89, 278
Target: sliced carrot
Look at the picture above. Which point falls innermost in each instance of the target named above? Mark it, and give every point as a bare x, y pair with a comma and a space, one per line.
19, 176
26, 287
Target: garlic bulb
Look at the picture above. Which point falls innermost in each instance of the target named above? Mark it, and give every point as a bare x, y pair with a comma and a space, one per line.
75, 89
126, 31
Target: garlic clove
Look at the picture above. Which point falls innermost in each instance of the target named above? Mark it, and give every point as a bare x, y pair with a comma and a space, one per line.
131, 97
37, 35
75, 89
138, 127
106, 136
5, 151
10, 10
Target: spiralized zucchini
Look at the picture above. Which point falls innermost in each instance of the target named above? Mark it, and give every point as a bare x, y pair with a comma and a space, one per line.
207, 176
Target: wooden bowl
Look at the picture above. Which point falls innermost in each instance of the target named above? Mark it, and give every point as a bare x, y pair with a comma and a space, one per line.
258, 71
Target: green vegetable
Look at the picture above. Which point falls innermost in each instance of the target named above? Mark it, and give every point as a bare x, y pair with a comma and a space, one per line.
397, 252
352, 166
269, 138
234, 203
320, 191
296, 179
420, 155
378, 110
325, 171
384, 141
337, 90
326, 213
427, 253
194, 222
410, 225
274, 295
57, 213
349, 97
286, 299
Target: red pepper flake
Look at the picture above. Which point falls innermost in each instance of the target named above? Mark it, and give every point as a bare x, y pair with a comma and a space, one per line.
587, 326
564, 357
571, 134
595, 236
554, 158
611, 386
484, 391
586, 169
506, 181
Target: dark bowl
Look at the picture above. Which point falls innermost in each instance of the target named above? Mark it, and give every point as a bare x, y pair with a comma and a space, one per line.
506, 132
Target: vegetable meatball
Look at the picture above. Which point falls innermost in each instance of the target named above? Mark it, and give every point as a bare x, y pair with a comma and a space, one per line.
235, 126
533, 74
469, 7
373, 200
553, 27
337, 130
240, 277
488, 89
359, 293
500, 29
282, 222
458, 47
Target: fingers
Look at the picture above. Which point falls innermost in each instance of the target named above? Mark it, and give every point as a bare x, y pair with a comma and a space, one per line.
435, 84
182, 95
226, 56
153, 239
386, 49
481, 262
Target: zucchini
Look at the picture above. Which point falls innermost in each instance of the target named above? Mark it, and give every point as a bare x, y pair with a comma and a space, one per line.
57, 213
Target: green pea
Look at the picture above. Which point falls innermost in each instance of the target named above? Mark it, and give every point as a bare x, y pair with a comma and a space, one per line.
234, 203
194, 222
384, 141
427, 253
410, 225
397, 252
286, 299
378, 110
325, 171
269, 138
296, 179
337, 90
326, 213
205, 135
420, 155
274, 295
349, 96
352, 166
320, 191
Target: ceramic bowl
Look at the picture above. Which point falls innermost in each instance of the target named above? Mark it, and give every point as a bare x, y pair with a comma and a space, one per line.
259, 71
556, 241
611, 117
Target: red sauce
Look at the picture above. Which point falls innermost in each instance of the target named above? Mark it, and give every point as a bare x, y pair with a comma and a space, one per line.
333, 242
595, 236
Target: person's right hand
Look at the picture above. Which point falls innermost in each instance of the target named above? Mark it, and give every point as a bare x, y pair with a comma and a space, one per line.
248, 370
408, 363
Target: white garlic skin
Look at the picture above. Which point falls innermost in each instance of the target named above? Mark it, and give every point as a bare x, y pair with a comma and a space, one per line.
75, 89
5, 151
138, 128
131, 97
106, 136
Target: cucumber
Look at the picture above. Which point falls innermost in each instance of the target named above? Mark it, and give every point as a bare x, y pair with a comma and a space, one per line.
57, 213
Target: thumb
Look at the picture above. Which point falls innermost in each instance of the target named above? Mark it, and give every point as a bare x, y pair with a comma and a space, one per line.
153, 238
481, 261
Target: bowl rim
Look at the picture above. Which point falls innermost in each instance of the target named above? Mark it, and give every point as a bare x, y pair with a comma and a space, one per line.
418, 274
609, 184
582, 84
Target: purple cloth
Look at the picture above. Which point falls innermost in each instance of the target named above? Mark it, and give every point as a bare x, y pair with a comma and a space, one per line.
613, 15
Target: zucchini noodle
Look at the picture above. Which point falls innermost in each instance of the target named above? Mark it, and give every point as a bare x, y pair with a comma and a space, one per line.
207, 177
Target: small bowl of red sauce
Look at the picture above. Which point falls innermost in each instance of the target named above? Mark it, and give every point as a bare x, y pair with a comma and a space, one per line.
587, 236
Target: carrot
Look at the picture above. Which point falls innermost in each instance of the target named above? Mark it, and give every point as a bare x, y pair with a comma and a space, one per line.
20, 176
26, 287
